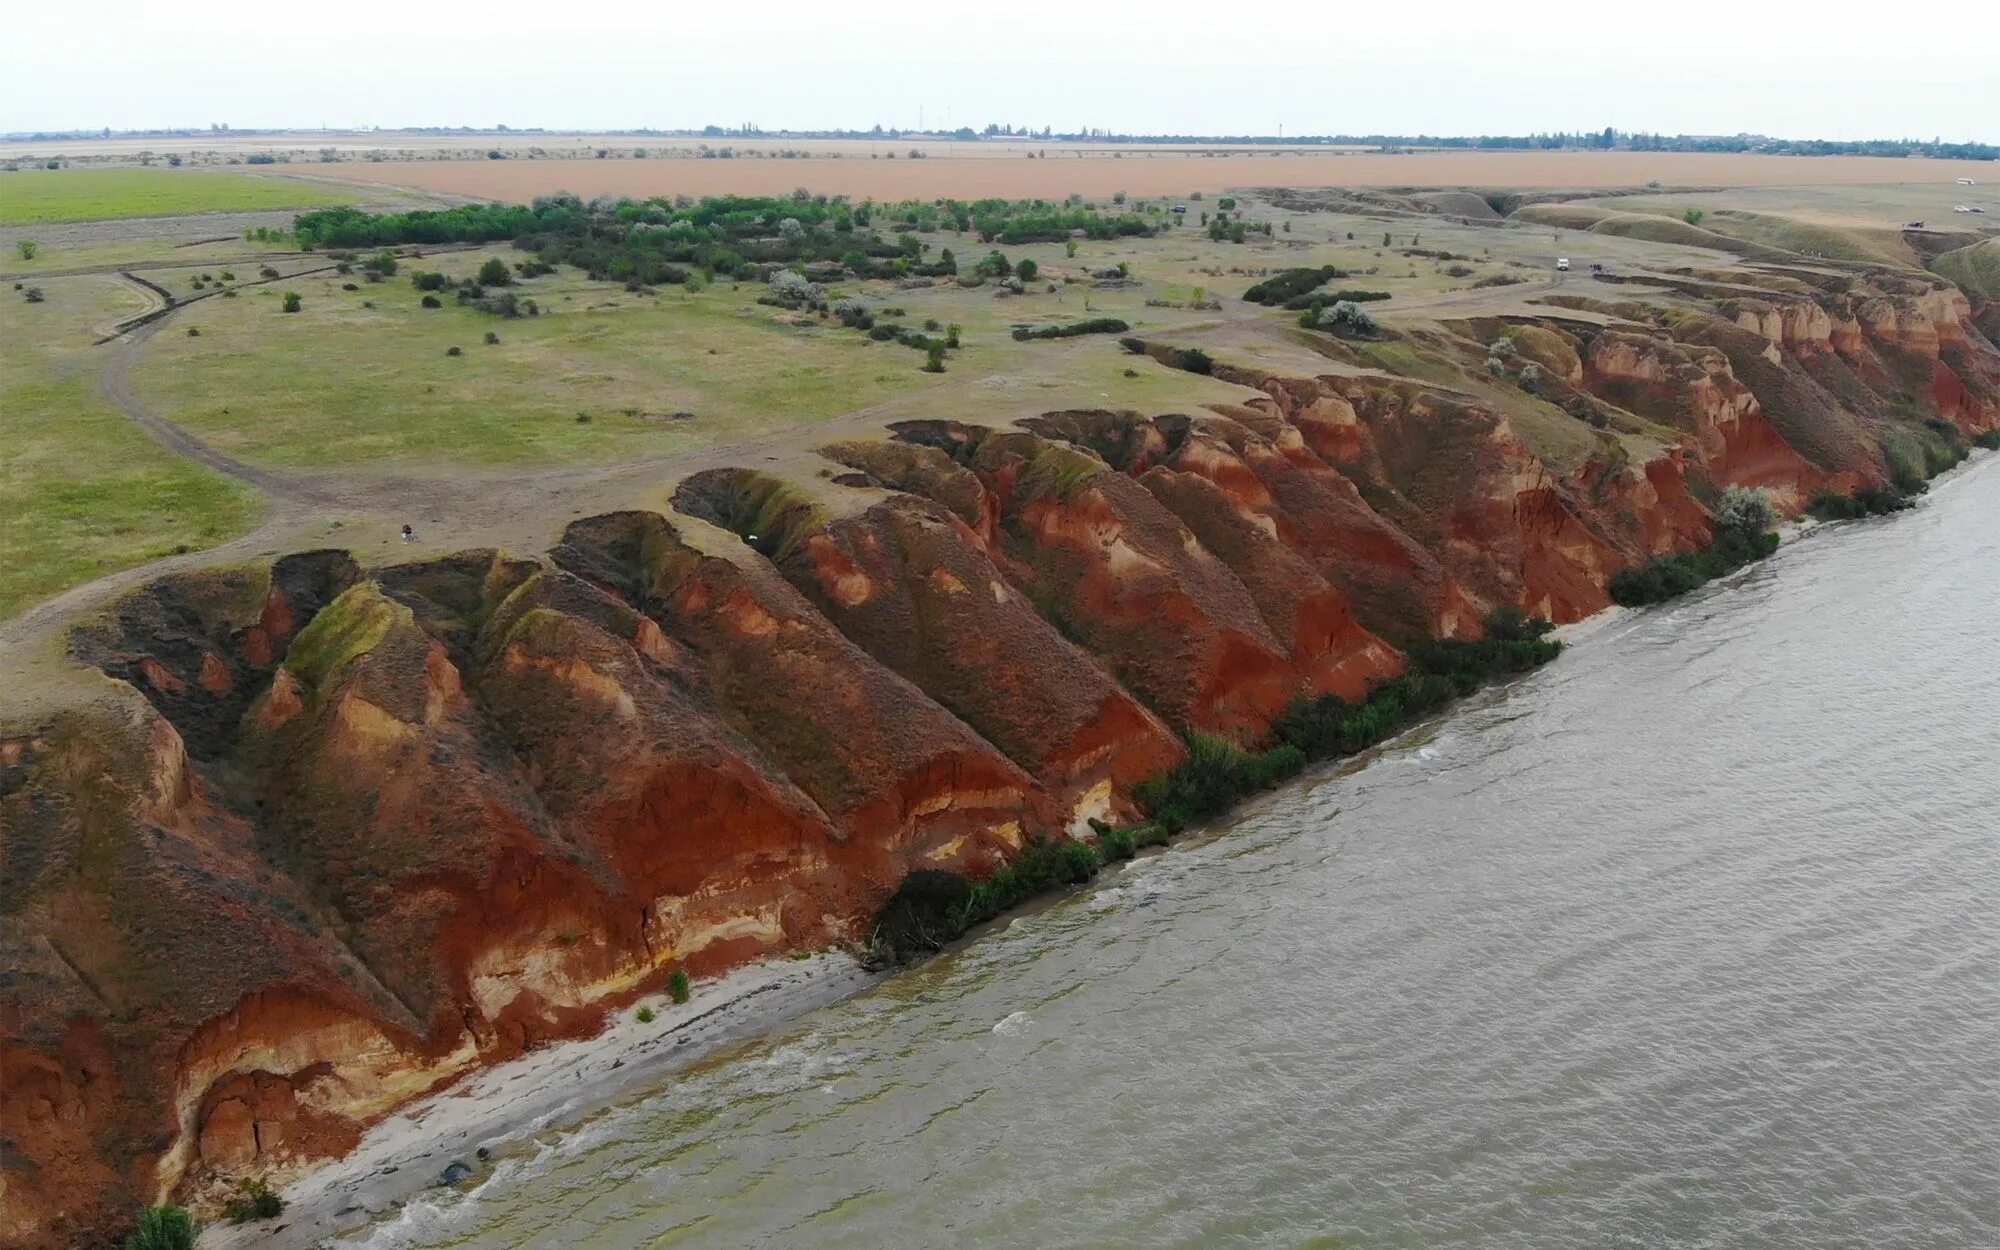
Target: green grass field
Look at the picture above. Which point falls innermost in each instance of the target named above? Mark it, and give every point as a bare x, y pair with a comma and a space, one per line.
343, 384
83, 492
36, 196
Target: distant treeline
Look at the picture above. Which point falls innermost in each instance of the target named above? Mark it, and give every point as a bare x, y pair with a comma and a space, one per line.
663, 240
1608, 139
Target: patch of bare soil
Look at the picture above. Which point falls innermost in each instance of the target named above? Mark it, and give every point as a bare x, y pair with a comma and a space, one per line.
1097, 172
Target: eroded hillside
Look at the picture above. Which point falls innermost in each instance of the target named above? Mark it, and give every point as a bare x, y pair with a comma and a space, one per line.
341, 834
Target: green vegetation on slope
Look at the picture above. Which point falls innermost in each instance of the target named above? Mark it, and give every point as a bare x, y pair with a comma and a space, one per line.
30, 197
931, 908
1743, 521
1974, 270
84, 492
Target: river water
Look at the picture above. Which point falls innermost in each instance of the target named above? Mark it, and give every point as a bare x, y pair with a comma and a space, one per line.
1691, 939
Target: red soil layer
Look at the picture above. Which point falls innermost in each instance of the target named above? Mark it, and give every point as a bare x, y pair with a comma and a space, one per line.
353, 835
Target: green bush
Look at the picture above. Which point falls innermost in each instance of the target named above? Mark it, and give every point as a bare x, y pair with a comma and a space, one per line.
677, 985
1662, 579
1872, 501
1989, 439
292, 301
645, 1015
163, 1228
1098, 325
254, 1200
1290, 284
495, 273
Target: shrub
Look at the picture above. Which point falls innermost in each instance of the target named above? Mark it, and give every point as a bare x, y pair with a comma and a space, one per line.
1346, 318
349, 286
1027, 270
1665, 578
432, 301
1290, 284
1745, 511
677, 985
491, 338
292, 301
645, 1015
454, 351
427, 281
27, 248
1871, 501
1195, 360
1692, 216
1226, 203
1496, 366
163, 1228
194, 332
383, 263
1531, 378
1097, 325
254, 1200
267, 273
934, 358
1989, 439
1460, 271
33, 295
495, 273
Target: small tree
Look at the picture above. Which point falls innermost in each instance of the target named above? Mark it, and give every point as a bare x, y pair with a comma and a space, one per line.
1117, 197
934, 357
1692, 216
495, 273
1745, 511
292, 301
792, 231
1027, 270
951, 333
1069, 247
27, 248
677, 985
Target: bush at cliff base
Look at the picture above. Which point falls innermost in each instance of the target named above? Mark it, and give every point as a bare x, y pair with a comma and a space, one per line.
1743, 520
163, 1228
932, 908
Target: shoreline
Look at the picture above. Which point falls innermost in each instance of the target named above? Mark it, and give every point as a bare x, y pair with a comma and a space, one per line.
499, 1107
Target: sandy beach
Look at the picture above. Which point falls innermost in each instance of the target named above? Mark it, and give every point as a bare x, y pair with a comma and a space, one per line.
462, 1131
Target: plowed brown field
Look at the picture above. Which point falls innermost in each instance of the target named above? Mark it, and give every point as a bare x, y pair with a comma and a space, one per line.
1139, 173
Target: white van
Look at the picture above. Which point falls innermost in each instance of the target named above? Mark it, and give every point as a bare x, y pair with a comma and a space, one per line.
1967, 182
1562, 264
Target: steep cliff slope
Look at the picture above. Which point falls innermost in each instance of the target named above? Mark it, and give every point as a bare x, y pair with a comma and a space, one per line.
337, 835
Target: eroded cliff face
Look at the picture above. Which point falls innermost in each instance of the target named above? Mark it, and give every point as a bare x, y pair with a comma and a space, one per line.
347, 834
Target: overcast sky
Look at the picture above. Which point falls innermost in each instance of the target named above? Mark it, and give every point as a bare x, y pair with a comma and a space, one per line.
1836, 70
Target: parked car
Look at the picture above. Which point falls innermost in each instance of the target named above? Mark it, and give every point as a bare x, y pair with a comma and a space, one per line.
1562, 264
